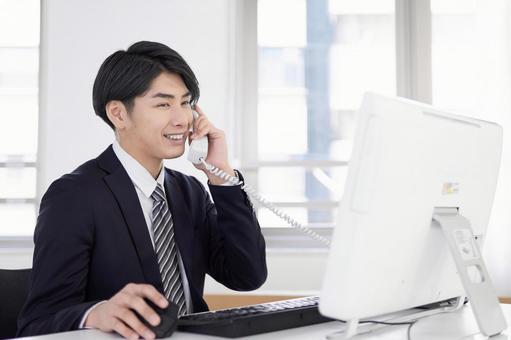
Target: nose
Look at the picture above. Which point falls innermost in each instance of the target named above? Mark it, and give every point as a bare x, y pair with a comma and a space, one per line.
182, 117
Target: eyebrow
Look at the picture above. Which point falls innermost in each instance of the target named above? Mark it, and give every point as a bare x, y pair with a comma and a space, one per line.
171, 96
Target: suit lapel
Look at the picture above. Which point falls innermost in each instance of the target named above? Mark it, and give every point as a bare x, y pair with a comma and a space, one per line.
124, 191
183, 230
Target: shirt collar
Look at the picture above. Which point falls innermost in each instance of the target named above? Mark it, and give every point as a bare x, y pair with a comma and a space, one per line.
139, 175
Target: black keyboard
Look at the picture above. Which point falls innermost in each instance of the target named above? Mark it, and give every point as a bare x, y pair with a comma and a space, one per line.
254, 319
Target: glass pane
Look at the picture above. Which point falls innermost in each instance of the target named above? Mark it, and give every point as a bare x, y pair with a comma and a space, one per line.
314, 66
300, 185
19, 22
276, 128
288, 184
271, 28
292, 189
269, 220
19, 69
18, 131
17, 182
454, 60
358, 38
314, 69
281, 67
17, 219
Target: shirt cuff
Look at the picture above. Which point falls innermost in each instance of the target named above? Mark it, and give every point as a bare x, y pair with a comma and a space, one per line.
82, 323
227, 183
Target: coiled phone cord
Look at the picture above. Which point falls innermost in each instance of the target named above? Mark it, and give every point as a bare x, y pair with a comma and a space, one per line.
261, 200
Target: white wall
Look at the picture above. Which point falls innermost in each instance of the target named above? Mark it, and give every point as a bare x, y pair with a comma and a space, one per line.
77, 36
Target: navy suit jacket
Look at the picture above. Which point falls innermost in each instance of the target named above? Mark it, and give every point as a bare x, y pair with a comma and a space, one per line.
91, 240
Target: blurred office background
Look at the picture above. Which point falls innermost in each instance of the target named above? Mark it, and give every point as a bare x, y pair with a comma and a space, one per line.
283, 78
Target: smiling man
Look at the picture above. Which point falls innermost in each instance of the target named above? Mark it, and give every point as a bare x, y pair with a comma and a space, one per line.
122, 229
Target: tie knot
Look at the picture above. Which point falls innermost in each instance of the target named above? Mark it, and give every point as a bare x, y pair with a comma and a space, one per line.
158, 194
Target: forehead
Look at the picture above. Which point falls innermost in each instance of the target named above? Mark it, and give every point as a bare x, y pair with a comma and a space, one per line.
170, 83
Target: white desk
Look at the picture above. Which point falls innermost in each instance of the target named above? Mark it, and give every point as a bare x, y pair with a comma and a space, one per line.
446, 326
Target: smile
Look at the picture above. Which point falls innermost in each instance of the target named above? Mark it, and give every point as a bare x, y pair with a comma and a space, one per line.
174, 136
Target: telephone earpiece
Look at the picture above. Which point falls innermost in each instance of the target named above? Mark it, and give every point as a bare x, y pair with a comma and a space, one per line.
198, 147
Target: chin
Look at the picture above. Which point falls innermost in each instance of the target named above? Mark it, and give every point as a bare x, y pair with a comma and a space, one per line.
173, 154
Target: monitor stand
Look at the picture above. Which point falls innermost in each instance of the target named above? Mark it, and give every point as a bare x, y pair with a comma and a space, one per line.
472, 272
356, 327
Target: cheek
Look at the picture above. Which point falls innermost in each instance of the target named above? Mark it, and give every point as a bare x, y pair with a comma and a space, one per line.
142, 133
146, 127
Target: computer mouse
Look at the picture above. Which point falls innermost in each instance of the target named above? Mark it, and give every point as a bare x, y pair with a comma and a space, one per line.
168, 322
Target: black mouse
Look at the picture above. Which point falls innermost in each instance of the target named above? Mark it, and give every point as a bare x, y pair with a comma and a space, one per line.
168, 322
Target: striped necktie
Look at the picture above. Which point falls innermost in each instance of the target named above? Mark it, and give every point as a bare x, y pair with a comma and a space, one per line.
166, 250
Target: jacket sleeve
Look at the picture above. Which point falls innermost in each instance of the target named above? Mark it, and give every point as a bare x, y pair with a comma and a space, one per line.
63, 240
237, 251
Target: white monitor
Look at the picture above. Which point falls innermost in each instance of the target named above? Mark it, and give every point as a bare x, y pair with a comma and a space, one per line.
408, 158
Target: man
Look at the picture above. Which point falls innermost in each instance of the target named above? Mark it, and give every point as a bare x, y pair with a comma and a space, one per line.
122, 229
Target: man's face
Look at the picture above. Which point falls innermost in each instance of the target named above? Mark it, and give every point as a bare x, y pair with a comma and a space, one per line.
158, 124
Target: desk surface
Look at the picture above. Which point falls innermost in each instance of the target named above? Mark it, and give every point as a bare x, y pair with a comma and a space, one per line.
455, 325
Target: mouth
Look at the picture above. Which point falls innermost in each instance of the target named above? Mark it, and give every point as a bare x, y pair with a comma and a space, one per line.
175, 137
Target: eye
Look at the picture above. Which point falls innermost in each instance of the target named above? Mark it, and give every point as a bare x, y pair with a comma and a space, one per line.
186, 102
163, 105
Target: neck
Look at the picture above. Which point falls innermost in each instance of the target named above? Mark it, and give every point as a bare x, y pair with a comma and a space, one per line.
151, 164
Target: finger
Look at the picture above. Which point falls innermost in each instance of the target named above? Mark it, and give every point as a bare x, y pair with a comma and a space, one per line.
151, 293
198, 110
200, 128
143, 309
202, 124
123, 330
204, 121
194, 126
197, 122
133, 322
201, 132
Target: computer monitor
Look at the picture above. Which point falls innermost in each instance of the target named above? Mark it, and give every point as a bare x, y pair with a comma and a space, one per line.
408, 159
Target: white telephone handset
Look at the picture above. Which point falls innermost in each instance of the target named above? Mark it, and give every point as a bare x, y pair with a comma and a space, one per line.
197, 154
198, 148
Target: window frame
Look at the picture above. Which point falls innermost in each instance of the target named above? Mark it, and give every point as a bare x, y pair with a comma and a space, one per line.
21, 161
413, 80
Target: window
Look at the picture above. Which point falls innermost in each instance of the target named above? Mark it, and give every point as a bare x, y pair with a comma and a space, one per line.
19, 67
454, 56
316, 59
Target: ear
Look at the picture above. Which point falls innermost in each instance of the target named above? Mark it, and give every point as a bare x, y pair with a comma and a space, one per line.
117, 114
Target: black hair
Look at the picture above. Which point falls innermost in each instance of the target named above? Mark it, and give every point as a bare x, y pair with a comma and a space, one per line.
125, 75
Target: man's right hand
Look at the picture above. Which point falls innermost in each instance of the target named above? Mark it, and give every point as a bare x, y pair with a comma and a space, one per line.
117, 314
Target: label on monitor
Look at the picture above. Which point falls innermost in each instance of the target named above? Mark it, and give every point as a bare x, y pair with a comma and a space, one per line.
466, 244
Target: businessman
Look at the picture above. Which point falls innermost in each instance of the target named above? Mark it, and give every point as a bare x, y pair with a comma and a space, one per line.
122, 229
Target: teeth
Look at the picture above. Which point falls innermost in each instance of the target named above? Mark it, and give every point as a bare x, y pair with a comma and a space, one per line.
174, 137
